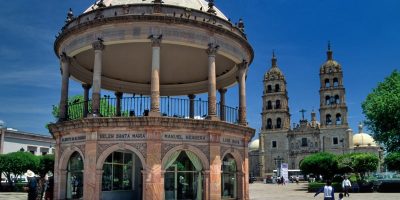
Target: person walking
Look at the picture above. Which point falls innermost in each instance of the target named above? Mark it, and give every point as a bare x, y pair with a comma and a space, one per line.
329, 193
32, 186
346, 185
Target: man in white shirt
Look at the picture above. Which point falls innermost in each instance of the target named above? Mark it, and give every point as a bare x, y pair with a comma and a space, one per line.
346, 185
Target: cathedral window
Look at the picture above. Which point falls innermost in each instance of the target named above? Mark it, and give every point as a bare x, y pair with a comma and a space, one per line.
328, 119
269, 89
327, 83
269, 105
337, 99
338, 118
269, 123
274, 144
304, 142
278, 123
277, 88
335, 140
327, 100
335, 82
277, 104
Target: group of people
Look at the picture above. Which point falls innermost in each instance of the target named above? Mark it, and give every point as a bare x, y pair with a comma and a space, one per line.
32, 188
329, 192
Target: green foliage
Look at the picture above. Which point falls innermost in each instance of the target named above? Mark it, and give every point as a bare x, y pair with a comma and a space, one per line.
392, 161
324, 164
345, 163
364, 162
46, 164
382, 110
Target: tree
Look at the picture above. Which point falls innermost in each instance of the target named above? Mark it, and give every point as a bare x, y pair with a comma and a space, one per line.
382, 110
17, 163
345, 163
392, 161
364, 162
45, 165
324, 164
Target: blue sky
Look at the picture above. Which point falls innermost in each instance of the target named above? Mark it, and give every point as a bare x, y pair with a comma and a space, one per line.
365, 36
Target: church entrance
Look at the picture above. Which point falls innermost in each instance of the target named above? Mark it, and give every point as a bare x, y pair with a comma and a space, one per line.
122, 177
183, 177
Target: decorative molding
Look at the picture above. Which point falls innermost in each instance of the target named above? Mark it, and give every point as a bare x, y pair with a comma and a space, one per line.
98, 45
141, 147
102, 147
212, 49
165, 147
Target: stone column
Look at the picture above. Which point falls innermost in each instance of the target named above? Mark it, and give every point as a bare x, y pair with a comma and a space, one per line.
58, 173
65, 63
153, 178
155, 76
206, 185
246, 189
242, 92
212, 82
222, 93
215, 167
262, 156
2, 132
118, 103
86, 88
191, 105
91, 191
98, 47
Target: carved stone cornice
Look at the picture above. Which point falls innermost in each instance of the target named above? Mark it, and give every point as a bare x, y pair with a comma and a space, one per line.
212, 49
243, 66
64, 58
155, 40
98, 45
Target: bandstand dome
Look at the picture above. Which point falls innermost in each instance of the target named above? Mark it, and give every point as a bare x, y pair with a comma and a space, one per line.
200, 5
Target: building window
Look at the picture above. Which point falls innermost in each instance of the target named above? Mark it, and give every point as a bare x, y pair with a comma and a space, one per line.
278, 104
117, 173
75, 177
274, 144
335, 82
337, 99
269, 89
269, 105
32, 149
327, 100
228, 178
328, 119
278, 123
304, 142
327, 83
277, 88
44, 151
335, 140
338, 119
269, 123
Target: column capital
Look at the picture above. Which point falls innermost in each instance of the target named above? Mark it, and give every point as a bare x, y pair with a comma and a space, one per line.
64, 58
98, 45
243, 65
118, 94
222, 90
191, 96
212, 49
155, 40
86, 86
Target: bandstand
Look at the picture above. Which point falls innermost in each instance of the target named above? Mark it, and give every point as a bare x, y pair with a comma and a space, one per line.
154, 139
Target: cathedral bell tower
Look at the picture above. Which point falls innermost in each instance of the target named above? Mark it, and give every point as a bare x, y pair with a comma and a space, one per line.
275, 112
333, 109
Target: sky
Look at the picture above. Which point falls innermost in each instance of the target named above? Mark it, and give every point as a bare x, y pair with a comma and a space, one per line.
364, 35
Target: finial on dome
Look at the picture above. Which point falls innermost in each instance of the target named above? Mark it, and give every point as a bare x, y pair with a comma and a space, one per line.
211, 7
241, 25
360, 127
100, 4
273, 59
329, 52
70, 16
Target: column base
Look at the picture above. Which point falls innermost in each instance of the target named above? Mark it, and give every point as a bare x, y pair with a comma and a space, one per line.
154, 114
212, 118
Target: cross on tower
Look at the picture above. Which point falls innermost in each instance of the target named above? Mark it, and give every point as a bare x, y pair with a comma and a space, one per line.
302, 112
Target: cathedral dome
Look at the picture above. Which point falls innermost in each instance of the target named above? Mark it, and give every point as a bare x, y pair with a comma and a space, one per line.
254, 145
330, 66
363, 139
200, 5
274, 73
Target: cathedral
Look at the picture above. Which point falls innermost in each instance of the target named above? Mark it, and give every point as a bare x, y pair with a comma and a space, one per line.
279, 142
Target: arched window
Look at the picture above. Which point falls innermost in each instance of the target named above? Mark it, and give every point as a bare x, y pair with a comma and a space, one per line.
269, 105
75, 177
328, 119
269, 88
327, 83
338, 119
278, 104
183, 177
269, 123
327, 100
278, 123
337, 99
122, 172
228, 178
335, 82
277, 88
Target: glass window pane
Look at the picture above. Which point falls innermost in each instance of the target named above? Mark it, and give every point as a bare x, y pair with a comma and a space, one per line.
128, 158
118, 177
118, 157
107, 177
127, 177
109, 159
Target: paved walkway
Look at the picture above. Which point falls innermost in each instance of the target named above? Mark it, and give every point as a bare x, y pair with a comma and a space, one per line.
259, 191
13, 196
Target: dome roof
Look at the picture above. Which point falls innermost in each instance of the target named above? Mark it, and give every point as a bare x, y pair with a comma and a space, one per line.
274, 73
200, 5
330, 66
363, 139
254, 145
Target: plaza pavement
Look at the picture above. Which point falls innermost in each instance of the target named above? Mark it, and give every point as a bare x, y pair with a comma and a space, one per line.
259, 191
